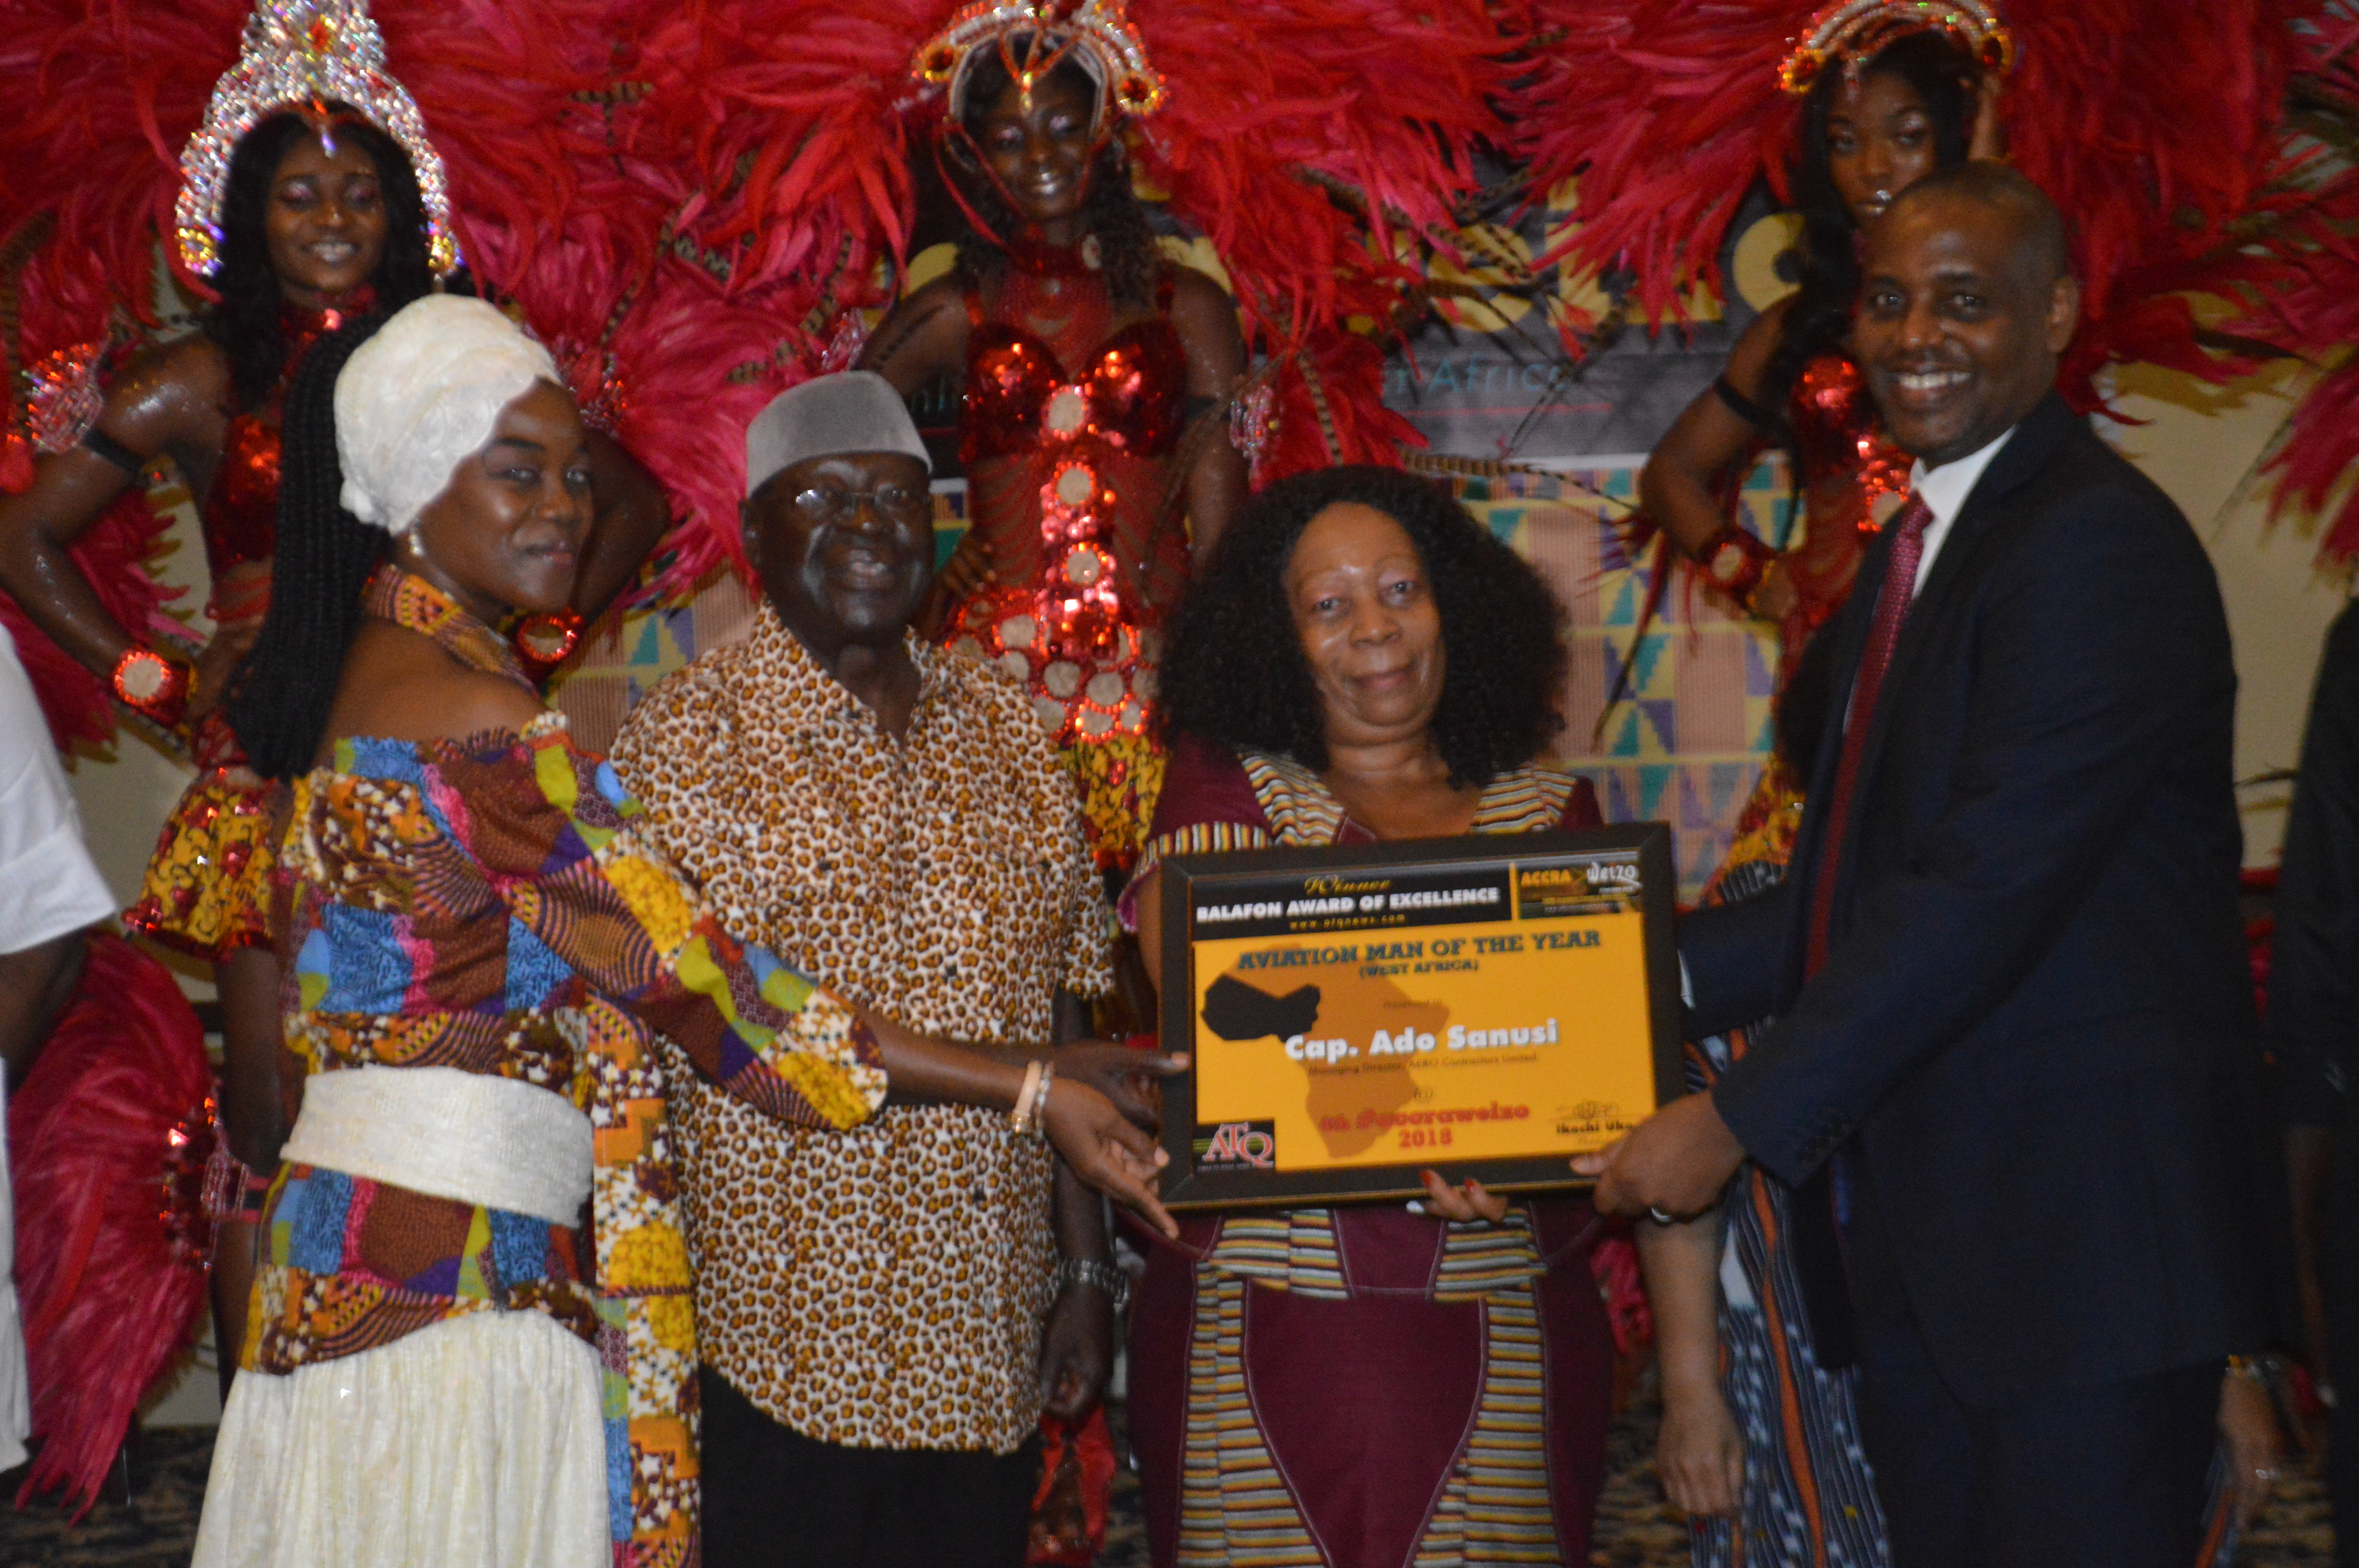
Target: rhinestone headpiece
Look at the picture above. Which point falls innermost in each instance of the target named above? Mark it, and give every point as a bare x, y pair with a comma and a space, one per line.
1033, 37
307, 55
1855, 31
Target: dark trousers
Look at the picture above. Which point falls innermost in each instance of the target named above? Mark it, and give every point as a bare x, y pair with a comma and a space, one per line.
775, 1499
2343, 1478
2111, 1475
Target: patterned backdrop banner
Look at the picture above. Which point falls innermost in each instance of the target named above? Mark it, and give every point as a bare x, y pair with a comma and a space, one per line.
1689, 738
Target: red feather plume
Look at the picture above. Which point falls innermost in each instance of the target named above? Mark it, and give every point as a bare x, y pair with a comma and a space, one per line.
2305, 303
107, 1143
1294, 133
2153, 126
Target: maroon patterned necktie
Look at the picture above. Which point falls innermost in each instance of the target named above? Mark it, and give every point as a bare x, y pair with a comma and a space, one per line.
1892, 602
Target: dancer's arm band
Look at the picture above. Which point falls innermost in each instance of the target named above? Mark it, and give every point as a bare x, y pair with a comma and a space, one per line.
98, 443
1744, 407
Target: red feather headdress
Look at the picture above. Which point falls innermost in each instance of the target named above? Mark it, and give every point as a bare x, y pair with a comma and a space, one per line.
2306, 303
548, 206
107, 1141
1313, 144
2153, 126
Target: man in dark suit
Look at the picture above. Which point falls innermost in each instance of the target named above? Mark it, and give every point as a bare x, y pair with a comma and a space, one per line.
2014, 1032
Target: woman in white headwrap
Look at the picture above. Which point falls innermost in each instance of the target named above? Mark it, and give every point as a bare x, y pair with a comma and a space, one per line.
472, 1312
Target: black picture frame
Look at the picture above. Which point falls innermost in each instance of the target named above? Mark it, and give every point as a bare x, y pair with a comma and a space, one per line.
1189, 882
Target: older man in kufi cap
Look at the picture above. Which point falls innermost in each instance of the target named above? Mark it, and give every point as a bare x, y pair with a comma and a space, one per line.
881, 1313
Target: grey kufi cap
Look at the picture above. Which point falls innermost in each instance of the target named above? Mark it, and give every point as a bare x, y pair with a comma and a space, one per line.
855, 411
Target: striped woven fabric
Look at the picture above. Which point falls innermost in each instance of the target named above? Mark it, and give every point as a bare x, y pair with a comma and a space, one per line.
1493, 1507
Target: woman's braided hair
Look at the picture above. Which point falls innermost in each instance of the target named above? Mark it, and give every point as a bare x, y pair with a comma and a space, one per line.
280, 698
1234, 672
246, 322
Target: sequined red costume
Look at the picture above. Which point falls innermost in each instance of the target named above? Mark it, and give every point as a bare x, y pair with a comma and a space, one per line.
1070, 423
1848, 469
207, 888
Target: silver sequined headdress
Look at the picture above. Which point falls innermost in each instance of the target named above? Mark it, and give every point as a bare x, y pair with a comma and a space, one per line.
309, 55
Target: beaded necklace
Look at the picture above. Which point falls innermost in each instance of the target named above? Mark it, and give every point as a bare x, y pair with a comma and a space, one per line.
409, 601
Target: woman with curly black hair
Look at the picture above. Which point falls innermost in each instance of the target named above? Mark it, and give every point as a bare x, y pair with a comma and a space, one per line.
1097, 377
1362, 660
1238, 672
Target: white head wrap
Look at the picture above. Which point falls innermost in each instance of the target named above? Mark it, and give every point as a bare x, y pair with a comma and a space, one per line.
422, 395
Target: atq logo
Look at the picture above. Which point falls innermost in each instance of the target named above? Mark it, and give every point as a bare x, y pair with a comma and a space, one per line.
1233, 1143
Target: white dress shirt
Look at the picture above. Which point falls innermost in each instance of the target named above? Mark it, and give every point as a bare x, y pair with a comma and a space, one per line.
1945, 491
47, 884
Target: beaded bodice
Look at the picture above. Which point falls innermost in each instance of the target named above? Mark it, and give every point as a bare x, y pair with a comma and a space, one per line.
1069, 427
1043, 370
1836, 429
240, 518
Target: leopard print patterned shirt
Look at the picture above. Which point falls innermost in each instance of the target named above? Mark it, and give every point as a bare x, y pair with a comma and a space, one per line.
882, 1287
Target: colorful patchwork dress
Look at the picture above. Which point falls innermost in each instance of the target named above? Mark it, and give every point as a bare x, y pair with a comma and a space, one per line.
473, 1306
1365, 1385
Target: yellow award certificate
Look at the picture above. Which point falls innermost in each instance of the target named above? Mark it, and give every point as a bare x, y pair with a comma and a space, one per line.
1487, 1006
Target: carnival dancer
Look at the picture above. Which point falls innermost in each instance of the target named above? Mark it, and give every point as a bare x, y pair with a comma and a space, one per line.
1896, 112
1841, 111
297, 218
1360, 661
1096, 376
308, 195
459, 1368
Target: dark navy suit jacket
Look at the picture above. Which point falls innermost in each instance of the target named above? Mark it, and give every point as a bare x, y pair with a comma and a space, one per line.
2035, 1024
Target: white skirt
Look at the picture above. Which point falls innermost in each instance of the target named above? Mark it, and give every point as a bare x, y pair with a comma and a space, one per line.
474, 1443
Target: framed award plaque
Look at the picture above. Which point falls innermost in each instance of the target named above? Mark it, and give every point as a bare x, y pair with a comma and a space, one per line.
1488, 1007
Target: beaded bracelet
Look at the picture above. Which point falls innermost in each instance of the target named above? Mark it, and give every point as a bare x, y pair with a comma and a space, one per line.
154, 685
1733, 561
